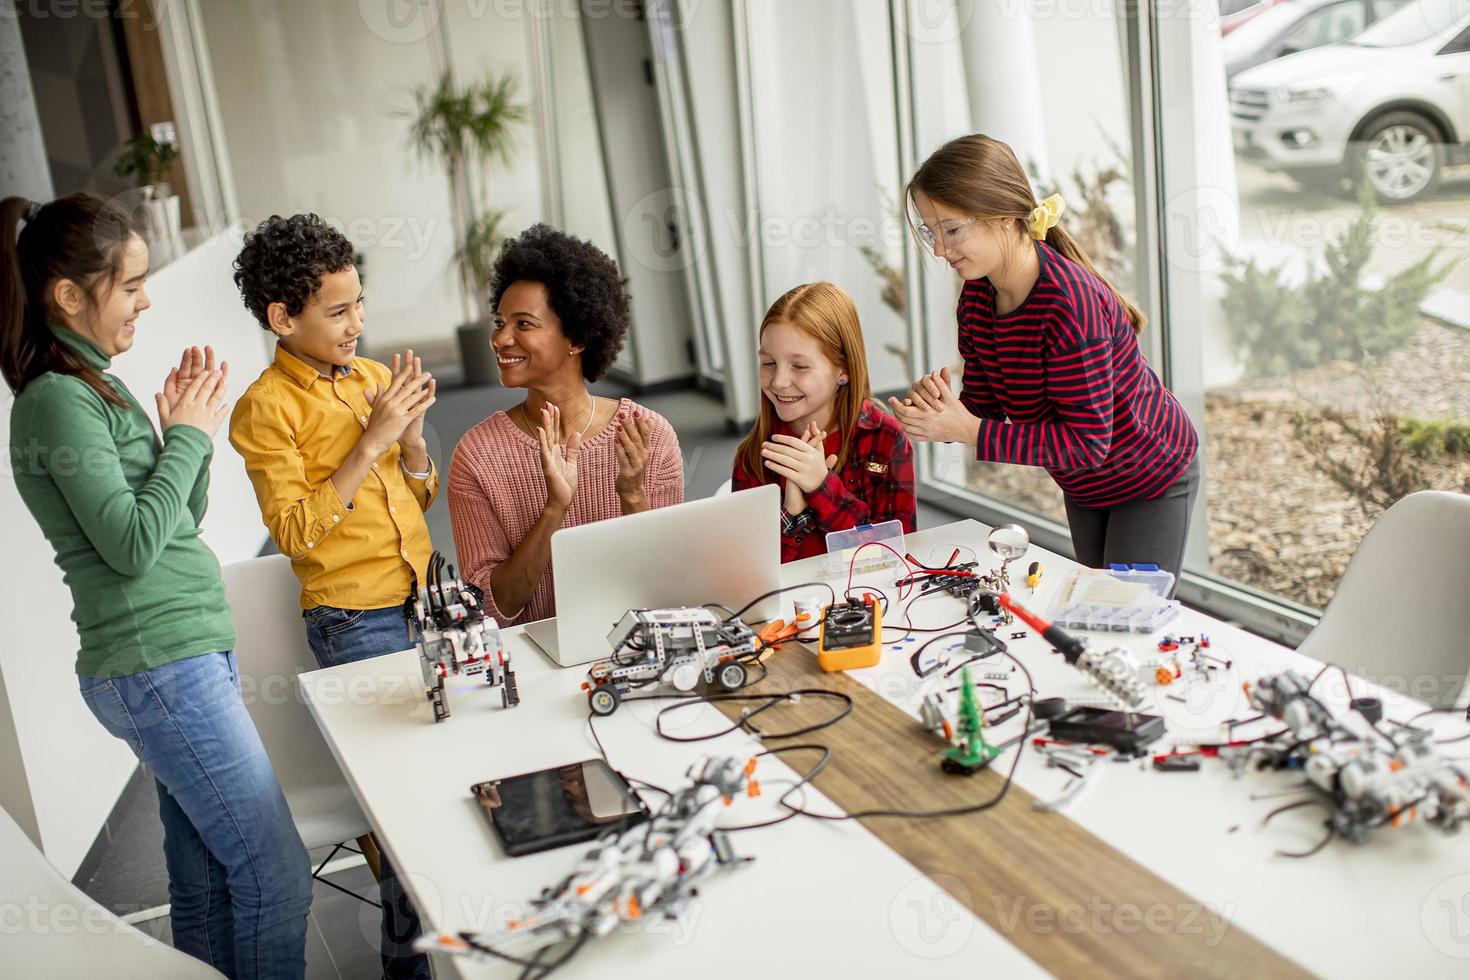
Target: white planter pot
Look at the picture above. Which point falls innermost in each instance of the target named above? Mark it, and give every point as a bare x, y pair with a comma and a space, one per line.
163, 227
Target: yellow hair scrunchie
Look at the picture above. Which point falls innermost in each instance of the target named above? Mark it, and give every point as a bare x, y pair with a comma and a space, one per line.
1045, 216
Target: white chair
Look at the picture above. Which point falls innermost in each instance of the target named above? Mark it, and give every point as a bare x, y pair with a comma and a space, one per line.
724, 488
1401, 614
271, 649
59, 932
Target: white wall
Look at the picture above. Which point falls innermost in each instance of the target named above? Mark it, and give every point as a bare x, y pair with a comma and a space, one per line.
69, 770
709, 46
311, 97
825, 141
579, 200
491, 39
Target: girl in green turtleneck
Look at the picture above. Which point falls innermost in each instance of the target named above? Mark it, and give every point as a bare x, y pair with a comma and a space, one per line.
121, 507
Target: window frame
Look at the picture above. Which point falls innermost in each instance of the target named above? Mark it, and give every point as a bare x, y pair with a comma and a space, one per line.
1266, 614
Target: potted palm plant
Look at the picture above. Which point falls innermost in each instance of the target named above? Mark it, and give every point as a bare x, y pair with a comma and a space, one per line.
463, 129
146, 159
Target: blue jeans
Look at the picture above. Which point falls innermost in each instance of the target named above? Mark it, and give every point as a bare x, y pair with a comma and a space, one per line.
239, 880
345, 636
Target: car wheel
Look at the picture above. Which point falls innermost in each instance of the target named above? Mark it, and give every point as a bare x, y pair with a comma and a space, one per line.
604, 701
731, 676
1400, 156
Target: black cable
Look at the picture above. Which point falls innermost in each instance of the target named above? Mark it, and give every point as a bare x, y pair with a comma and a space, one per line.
753, 681
1439, 711
914, 657
883, 596
527, 965
909, 629
653, 786
593, 729
1326, 839
771, 701
800, 783
1346, 680
994, 801
789, 588
1312, 801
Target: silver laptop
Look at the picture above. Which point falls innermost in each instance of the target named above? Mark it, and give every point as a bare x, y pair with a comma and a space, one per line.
724, 549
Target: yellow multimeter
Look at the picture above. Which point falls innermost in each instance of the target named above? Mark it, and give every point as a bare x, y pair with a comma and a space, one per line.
852, 635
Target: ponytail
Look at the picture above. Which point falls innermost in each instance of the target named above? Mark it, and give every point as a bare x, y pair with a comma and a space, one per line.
982, 177
80, 237
1067, 247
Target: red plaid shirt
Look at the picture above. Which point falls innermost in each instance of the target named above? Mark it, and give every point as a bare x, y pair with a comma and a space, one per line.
876, 484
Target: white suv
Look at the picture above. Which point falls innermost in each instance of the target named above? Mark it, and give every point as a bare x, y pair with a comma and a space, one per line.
1390, 106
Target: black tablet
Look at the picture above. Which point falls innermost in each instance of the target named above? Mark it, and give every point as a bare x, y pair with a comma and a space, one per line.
570, 804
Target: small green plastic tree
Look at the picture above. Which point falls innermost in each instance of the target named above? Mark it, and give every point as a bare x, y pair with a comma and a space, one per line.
971, 751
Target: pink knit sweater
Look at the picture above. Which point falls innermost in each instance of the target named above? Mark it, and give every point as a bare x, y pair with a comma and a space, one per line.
497, 491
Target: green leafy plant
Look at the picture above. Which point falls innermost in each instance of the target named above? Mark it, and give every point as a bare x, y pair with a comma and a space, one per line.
145, 160
1436, 438
1279, 326
476, 254
462, 129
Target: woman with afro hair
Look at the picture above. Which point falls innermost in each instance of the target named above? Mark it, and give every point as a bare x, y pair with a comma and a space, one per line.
562, 457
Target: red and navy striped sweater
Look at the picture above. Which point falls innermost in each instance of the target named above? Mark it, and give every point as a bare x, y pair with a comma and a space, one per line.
1060, 382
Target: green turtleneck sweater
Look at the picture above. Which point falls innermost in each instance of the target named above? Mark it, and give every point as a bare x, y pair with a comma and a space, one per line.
122, 510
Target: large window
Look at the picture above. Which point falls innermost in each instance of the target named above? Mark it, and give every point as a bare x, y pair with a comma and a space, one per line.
315, 102
1292, 219
1011, 71
1334, 380
307, 95
826, 163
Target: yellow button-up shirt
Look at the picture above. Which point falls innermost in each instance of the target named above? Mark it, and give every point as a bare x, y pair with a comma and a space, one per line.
295, 428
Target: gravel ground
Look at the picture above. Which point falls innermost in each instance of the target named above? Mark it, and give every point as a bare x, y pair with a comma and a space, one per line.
1276, 523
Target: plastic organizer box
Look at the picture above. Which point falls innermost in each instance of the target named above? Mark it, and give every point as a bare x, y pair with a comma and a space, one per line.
1117, 599
842, 548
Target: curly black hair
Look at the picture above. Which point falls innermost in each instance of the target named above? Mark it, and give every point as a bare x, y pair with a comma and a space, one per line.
584, 288
284, 259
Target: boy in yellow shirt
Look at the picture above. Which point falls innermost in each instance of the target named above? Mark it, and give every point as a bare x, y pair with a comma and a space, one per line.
334, 445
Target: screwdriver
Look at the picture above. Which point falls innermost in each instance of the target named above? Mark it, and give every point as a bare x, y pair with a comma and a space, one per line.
1033, 576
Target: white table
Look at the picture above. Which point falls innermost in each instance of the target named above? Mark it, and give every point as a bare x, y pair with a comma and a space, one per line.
831, 897
820, 898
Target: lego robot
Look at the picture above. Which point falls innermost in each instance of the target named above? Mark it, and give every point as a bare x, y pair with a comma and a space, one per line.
678, 647
1364, 778
455, 636
647, 872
